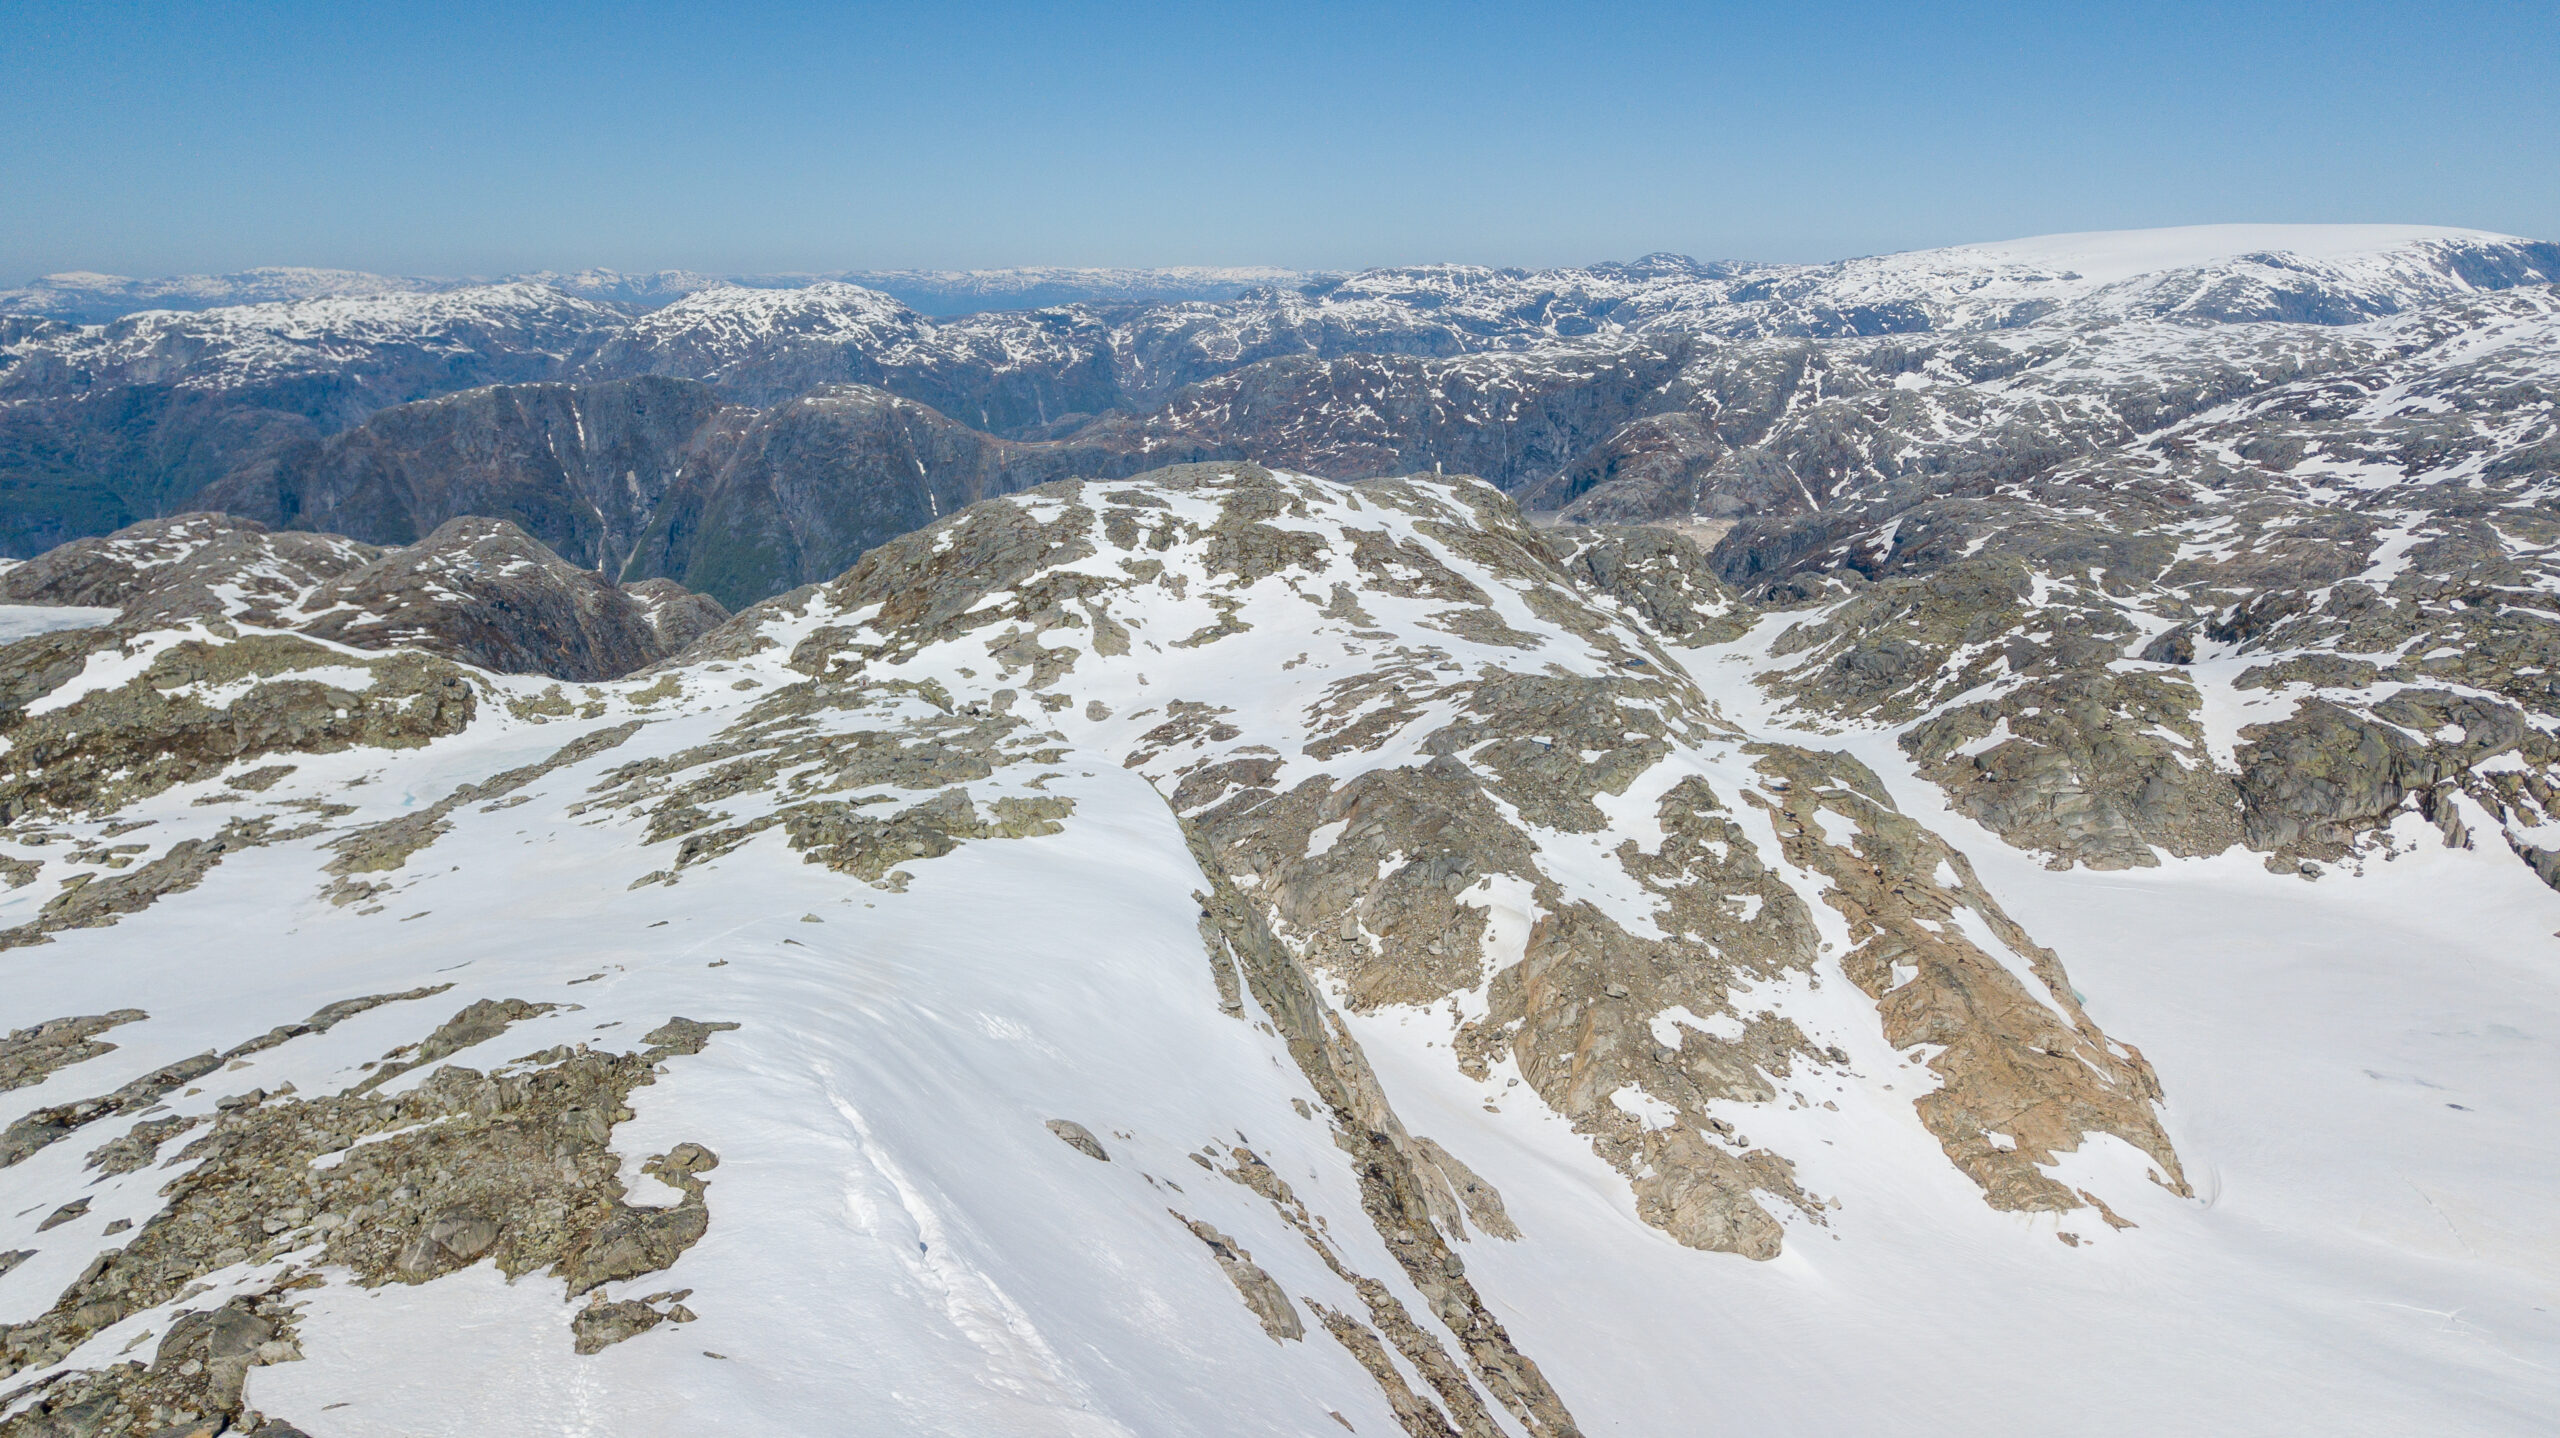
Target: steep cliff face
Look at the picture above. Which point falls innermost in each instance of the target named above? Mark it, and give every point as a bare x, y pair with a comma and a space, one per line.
583, 466
108, 424
655, 478
794, 494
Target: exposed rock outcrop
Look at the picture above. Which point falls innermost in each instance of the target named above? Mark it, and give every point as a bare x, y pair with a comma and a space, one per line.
515, 1166
478, 590
484, 592
1388, 828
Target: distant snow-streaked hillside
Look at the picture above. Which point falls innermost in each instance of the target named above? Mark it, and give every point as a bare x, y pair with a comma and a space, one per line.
1648, 389
957, 292
89, 298
407, 340
86, 298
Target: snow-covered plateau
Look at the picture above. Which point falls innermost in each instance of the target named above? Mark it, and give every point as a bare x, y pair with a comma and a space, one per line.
1231, 951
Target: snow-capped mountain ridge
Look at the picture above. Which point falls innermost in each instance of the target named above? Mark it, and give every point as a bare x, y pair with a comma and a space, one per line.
709, 330
953, 292
2046, 264
528, 328
1643, 390
85, 297
2332, 275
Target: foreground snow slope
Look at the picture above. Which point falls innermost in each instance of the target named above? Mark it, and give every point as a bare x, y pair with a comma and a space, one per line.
1464, 984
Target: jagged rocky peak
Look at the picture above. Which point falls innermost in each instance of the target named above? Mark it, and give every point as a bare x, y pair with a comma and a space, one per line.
478, 590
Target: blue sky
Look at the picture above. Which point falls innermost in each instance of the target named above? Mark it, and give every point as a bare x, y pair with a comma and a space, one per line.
459, 138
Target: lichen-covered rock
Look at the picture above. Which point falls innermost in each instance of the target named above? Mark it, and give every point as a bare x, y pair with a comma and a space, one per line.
2024, 1074
1382, 826
1076, 1136
199, 706
484, 592
162, 572
1661, 575
2092, 766
513, 1165
1270, 1304
30, 1055
677, 615
2313, 783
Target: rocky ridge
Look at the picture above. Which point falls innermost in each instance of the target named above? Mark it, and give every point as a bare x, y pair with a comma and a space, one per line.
2283, 620
478, 590
1390, 824
1418, 757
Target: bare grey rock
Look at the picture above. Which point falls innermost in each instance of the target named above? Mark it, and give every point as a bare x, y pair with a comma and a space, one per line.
1270, 1305
31, 1055
1076, 1136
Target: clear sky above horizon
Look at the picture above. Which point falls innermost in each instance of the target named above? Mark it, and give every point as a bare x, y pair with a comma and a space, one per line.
466, 138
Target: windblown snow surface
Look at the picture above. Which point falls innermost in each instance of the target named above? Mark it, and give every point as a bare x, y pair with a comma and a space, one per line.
2358, 1078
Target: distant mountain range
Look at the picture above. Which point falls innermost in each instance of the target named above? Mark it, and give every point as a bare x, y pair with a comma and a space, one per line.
742, 440
84, 298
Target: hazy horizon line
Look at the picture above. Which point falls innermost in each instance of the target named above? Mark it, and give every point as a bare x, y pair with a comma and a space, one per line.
744, 273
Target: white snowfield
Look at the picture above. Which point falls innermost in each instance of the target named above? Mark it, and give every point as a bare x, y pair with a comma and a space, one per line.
2359, 1079
2105, 256
19, 621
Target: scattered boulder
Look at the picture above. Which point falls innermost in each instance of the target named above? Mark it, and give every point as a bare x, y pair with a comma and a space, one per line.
1076, 1136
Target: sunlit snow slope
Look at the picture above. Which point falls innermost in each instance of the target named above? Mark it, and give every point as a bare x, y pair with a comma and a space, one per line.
1220, 952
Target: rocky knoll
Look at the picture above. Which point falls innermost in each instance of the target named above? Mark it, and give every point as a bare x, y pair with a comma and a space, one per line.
478, 590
